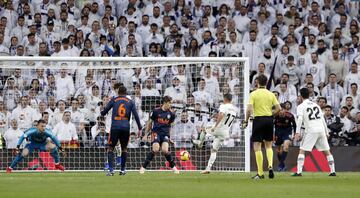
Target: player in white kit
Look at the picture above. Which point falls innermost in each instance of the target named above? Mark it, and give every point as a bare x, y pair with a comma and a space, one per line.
220, 131
310, 116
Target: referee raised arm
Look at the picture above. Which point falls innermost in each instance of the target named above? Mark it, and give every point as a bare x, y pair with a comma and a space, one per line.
260, 104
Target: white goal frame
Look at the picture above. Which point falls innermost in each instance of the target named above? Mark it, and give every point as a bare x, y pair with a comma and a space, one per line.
157, 61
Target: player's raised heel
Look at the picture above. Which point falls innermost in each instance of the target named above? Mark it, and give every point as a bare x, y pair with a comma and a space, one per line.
142, 170
332, 174
197, 144
271, 173
257, 176
176, 171
296, 175
59, 167
9, 170
111, 173
122, 173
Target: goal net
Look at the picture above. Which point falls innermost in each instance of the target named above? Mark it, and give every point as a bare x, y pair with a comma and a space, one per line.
49, 87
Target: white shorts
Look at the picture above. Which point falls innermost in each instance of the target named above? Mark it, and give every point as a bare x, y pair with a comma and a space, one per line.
319, 140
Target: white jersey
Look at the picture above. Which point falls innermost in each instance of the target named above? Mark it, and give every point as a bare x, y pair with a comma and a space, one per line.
310, 114
230, 112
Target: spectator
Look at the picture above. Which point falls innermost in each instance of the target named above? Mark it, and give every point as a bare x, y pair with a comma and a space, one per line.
333, 93
133, 141
13, 134
184, 131
177, 93
24, 113
64, 85
11, 94
65, 130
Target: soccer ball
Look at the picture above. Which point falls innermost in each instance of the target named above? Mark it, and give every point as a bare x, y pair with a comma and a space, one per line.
184, 156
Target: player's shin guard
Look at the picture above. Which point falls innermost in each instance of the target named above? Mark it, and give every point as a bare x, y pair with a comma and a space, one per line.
211, 160
17, 159
269, 156
111, 160
170, 159
331, 162
123, 160
300, 163
55, 154
148, 159
259, 162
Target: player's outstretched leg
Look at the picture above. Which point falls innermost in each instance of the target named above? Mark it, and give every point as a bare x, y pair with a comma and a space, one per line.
19, 157
215, 147
199, 143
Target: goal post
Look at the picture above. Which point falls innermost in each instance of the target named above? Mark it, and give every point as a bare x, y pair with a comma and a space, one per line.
85, 84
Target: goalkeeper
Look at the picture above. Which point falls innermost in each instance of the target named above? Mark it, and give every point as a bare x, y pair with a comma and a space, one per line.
38, 139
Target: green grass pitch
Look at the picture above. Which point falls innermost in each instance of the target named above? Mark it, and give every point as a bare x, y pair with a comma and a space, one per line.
168, 185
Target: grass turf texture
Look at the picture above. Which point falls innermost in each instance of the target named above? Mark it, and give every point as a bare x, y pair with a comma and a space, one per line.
185, 185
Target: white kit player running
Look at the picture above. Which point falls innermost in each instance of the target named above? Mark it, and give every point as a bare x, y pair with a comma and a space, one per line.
220, 131
315, 134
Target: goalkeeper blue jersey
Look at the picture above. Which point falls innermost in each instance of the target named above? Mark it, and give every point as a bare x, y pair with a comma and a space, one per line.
35, 136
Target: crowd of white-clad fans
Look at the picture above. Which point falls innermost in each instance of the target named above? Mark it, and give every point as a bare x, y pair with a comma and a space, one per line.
296, 43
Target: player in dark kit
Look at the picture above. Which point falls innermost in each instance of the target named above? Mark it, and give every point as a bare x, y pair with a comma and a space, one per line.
160, 123
122, 108
285, 127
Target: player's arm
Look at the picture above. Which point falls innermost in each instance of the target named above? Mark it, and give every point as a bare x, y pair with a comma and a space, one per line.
276, 104
53, 138
108, 107
299, 123
26, 134
293, 123
325, 126
136, 115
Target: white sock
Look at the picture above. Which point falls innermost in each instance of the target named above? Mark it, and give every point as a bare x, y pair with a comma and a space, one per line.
211, 160
300, 163
331, 162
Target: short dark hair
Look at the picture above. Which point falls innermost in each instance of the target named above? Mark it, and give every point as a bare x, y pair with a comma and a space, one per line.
228, 97
328, 106
166, 99
262, 79
122, 90
304, 92
41, 121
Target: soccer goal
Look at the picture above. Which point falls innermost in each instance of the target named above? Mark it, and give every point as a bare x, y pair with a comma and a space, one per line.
84, 85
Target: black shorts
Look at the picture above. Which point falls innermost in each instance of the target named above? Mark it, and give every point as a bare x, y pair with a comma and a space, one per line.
159, 138
263, 129
281, 135
116, 135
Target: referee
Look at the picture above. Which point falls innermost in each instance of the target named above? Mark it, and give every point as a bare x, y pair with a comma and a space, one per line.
260, 104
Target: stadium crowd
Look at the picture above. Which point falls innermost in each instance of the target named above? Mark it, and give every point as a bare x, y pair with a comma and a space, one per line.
296, 43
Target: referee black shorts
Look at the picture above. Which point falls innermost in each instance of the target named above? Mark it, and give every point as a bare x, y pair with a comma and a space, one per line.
119, 135
263, 129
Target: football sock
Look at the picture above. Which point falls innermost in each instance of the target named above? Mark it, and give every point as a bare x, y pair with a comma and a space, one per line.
170, 160
279, 155
123, 160
211, 160
283, 157
269, 156
300, 163
55, 154
111, 161
17, 159
259, 162
331, 162
148, 159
